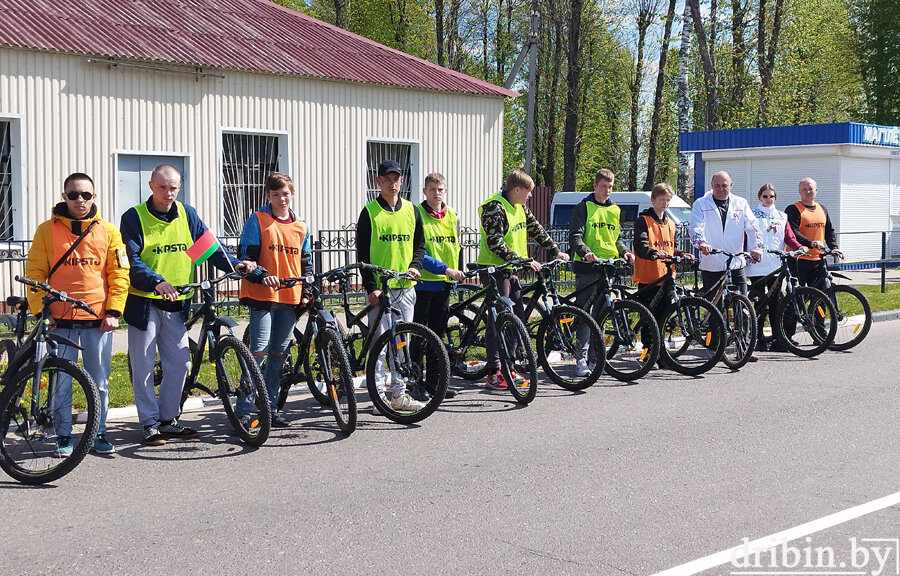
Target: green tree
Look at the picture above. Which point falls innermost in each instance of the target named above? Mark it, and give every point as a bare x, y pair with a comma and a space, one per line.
877, 27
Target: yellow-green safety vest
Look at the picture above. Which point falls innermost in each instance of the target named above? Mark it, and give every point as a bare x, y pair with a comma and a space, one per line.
164, 249
601, 230
516, 236
441, 242
391, 245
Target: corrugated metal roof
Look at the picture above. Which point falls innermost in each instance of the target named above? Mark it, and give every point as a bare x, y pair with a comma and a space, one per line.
799, 135
252, 35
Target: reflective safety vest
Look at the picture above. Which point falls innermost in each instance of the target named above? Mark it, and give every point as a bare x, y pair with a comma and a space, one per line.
280, 253
812, 225
83, 273
601, 230
441, 242
516, 236
391, 245
164, 249
661, 236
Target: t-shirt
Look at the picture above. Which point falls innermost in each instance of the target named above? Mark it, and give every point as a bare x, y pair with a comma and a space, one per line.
722, 206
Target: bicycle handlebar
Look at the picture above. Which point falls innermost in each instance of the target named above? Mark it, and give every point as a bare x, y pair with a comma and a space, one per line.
57, 295
785, 254
205, 284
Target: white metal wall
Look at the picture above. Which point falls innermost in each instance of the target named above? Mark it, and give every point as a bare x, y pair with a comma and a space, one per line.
865, 205
77, 115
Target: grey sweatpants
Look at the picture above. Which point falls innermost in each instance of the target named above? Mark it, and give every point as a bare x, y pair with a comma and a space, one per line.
404, 300
165, 332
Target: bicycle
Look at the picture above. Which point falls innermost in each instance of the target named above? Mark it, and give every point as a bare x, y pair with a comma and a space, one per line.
630, 332
36, 421
853, 314
801, 307
409, 352
465, 335
239, 383
17, 323
326, 366
692, 328
737, 311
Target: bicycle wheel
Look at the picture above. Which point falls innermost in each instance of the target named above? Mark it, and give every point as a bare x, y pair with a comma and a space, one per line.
517, 362
806, 322
631, 337
469, 361
693, 336
43, 441
242, 391
740, 328
418, 367
560, 343
853, 316
332, 369
535, 313
7, 351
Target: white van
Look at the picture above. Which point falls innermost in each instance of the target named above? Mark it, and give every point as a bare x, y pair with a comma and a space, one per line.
631, 204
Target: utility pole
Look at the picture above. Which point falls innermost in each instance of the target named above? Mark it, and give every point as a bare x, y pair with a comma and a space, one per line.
529, 48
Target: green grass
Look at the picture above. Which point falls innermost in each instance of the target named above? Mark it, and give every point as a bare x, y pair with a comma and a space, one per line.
889, 300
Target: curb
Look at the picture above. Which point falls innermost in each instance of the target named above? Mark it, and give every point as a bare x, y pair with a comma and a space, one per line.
886, 315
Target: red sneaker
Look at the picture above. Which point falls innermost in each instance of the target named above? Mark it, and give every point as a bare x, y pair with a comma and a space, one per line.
496, 381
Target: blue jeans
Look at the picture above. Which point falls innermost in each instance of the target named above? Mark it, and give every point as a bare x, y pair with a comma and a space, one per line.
270, 334
97, 346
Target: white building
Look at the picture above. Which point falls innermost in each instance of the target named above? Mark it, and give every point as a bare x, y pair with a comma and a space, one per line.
228, 92
856, 167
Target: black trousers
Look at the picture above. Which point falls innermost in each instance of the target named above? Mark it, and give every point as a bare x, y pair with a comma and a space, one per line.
759, 287
433, 309
809, 272
737, 276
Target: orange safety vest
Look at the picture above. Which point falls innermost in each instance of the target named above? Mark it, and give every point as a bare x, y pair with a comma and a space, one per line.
812, 225
661, 236
280, 253
83, 273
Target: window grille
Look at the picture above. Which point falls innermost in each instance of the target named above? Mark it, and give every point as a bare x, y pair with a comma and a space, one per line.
247, 160
376, 153
6, 207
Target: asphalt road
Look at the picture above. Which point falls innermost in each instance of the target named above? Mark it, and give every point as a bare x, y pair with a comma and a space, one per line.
617, 480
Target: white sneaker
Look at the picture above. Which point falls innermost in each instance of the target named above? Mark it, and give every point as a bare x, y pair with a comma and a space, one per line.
581, 368
405, 403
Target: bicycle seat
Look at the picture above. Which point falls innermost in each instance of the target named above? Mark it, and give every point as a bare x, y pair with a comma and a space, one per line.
14, 301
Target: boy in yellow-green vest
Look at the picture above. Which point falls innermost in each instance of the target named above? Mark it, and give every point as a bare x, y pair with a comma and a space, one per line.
157, 234
506, 224
593, 235
389, 234
441, 257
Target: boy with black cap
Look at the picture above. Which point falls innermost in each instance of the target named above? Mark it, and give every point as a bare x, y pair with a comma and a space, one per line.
389, 234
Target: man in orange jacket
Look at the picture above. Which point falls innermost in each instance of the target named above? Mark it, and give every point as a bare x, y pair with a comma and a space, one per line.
96, 271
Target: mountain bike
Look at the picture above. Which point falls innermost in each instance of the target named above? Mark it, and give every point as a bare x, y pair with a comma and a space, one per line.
466, 334
630, 332
692, 328
326, 366
238, 382
564, 334
853, 314
737, 311
804, 322
39, 391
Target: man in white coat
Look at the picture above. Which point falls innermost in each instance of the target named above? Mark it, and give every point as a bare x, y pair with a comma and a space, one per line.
722, 220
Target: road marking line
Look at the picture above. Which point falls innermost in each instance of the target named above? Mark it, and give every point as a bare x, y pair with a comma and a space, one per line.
767, 542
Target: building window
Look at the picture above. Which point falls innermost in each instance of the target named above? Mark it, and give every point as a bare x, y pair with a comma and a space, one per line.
6, 182
247, 160
404, 153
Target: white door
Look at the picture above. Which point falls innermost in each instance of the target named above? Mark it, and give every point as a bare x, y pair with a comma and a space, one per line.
133, 177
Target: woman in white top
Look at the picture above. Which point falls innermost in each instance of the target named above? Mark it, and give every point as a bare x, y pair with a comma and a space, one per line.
776, 235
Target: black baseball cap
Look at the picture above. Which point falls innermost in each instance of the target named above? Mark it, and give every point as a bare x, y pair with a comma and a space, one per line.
389, 166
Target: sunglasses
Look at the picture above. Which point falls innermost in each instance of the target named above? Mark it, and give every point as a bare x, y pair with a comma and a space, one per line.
768, 196
84, 195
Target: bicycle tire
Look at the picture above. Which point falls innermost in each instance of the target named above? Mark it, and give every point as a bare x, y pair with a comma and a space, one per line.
558, 335
424, 368
24, 443
239, 379
632, 340
468, 363
849, 303
817, 330
7, 352
694, 348
522, 359
338, 378
741, 330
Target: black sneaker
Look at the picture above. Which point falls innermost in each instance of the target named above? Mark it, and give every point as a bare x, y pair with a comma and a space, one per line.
451, 393
172, 429
152, 437
278, 421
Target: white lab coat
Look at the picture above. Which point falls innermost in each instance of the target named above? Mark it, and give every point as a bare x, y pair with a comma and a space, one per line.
706, 226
